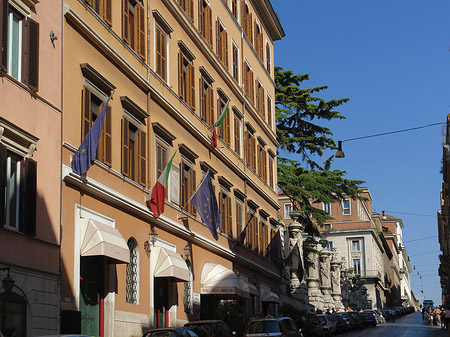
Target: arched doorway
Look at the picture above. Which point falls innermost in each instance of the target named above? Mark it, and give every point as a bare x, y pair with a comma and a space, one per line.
13, 315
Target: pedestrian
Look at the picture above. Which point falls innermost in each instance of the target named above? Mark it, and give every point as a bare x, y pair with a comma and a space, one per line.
447, 319
437, 316
423, 313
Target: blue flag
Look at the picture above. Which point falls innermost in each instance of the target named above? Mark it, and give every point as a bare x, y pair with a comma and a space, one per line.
205, 203
86, 153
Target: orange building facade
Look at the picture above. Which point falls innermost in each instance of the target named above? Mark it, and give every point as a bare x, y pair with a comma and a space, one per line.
173, 67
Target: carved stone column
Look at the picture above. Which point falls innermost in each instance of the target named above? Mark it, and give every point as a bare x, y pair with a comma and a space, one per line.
312, 263
295, 260
336, 280
325, 277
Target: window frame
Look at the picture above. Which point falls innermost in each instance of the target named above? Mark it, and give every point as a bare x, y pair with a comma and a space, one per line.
259, 41
344, 209
186, 75
222, 42
133, 297
206, 97
223, 131
359, 265
248, 81
286, 212
356, 244
225, 211
260, 98
133, 32
237, 132
187, 185
326, 207
235, 61
205, 21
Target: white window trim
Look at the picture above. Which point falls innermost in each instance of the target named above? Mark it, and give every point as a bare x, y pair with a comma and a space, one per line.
287, 216
349, 207
324, 208
10, 40
239, 57
167, 80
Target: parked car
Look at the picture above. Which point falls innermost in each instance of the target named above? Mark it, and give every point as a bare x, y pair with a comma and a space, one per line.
272, 327
310, 325
378, 316
351, 324
341, 326
359, 319
210, 328
328, 325
170, 332
370, 318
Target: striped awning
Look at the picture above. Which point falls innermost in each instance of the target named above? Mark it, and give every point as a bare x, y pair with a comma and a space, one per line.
219, 280
248, 287
269, 296
169, 264
98, 239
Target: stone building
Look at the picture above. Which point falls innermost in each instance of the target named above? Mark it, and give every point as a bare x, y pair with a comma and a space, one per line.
30, 140
173, 67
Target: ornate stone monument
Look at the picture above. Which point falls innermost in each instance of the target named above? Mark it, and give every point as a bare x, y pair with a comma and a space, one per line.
325, 277
336, 280
312, 263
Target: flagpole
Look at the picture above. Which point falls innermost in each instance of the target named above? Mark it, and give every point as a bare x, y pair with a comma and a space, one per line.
248, 223
198, 186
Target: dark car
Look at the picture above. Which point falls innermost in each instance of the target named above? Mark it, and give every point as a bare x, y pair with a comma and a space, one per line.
310, 325
272, 327
341, 326
170, 332
351, 323
210, 328
370, 318
359, 319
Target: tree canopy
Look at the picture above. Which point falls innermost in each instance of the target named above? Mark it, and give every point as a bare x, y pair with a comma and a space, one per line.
308, 179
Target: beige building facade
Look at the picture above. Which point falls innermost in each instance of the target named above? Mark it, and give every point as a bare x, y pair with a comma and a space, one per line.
173, 67
30, 166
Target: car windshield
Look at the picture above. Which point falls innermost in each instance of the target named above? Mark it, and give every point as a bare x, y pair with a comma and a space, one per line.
203, 330
161, 333
263, 327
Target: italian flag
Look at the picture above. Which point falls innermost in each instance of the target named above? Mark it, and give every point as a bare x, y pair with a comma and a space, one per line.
158, 196
218, 124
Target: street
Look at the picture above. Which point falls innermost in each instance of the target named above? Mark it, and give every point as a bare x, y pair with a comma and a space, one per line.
409, 325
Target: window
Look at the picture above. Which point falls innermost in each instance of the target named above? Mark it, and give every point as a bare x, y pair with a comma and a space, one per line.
248, 81
260, 98
13, 320
238, 215
133, 25
235, 63
326, 207
161, 52
224, 129
237, 134
250, 148
206, 101
355, 246
268, 57
264, 237
161, 159
346, 207
92, 105
205, 20
234, 9
186, 86
262, 162
287, 211
134, 152
102, 8
132, 295
225, 213
246, 20
271, 172
330, 245
188, 7
357, 266
188, 186
222, 43
252, 238
269, 111
19, 54
18, 178
259, 42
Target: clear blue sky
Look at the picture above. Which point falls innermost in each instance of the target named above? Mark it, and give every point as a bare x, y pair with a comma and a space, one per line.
391, 59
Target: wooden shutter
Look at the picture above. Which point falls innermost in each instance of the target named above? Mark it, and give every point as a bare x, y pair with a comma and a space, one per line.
238, 220
31, 54
202, 99
250, 27
201, 18
125, 148
107, 11
3, 183
4, 35
243, 18
191, 181
270, 171
141, 30
28, 181
252, 89
253, 153
125, 23
210, 111
86, 124
190, 11
191, 79
107, 136
218, 44
221, 212
228, 215
225, 47
227, 127
264, 165
180, 75
183, 185
143, 158
209, 33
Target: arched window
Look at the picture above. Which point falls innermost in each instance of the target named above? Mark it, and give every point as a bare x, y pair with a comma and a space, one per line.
13, 315
133, 272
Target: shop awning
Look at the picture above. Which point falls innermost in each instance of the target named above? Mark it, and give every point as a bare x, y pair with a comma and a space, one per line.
269, 296
170, 264
248, 287
219, 280
98, 239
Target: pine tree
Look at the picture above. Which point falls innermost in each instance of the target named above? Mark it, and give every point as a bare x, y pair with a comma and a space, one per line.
307, 180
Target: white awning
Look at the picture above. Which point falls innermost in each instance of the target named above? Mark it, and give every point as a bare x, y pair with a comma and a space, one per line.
98, 239
269, 296
170, 264
248, 287
219, 280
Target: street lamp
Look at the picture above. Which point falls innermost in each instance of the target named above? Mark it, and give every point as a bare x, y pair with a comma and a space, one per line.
153, 236
7, 282
187, 251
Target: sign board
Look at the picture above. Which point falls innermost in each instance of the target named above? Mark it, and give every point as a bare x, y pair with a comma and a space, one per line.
196, 298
